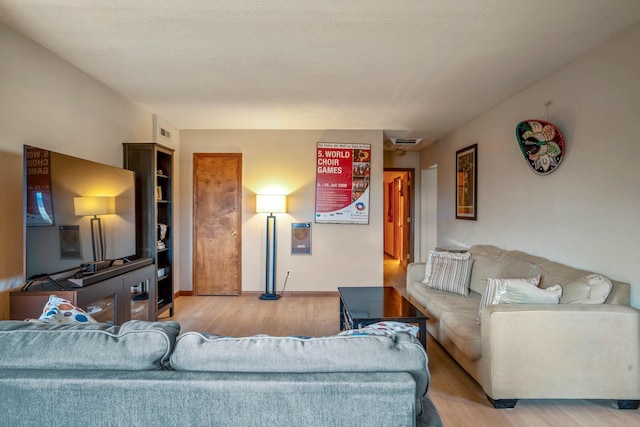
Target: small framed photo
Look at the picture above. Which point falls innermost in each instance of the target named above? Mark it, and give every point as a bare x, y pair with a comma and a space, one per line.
158, 193
70, 242
467, 183
301, 238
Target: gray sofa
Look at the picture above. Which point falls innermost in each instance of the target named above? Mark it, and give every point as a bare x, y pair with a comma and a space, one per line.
536, 351
145, 374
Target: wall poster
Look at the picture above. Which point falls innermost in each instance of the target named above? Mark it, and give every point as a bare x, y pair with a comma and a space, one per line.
39, 199
342, 183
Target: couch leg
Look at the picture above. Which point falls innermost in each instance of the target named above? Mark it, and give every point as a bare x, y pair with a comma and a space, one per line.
628, 404
502, 403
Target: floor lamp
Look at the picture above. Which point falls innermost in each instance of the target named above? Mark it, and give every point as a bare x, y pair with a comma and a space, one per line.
94, 206
270, 204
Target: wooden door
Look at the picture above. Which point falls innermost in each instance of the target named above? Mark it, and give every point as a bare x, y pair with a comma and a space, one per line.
217, 223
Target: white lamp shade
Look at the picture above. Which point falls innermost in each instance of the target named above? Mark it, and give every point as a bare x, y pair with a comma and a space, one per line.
271, 203
93, 205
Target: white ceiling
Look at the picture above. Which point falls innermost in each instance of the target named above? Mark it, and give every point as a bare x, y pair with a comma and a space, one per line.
412, 68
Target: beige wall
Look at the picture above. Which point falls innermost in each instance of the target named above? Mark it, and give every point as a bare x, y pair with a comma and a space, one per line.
48, 103
585, 213
342, 255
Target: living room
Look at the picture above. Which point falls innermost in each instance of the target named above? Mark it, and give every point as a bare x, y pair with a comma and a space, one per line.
581, 215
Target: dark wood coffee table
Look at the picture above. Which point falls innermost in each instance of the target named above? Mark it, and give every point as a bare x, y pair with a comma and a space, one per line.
362, 306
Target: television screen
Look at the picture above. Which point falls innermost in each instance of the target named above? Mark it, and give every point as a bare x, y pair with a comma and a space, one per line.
57, 229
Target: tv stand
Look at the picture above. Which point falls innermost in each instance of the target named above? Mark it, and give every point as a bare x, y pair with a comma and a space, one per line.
113, 295
107, 273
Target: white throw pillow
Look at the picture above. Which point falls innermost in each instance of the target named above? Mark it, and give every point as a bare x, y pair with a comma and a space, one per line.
523, 293
427, 269
493, 286
590, 289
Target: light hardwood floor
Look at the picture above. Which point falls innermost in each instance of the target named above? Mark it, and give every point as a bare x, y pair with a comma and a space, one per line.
458, 398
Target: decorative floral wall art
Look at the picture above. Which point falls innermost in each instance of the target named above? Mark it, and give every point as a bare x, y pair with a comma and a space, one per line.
541, 144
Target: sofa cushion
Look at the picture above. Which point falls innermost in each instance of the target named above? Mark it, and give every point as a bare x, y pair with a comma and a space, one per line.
485, 262
451, 273
555, 273
589, 289
438, 302
197, 351
517, 264
620, 293
464, 332
136, 345
402, 352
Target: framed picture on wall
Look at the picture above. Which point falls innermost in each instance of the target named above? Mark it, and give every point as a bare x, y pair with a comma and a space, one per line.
467, 182
301, 238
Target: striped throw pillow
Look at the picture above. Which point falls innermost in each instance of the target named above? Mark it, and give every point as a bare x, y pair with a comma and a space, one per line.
451, 273
445, 254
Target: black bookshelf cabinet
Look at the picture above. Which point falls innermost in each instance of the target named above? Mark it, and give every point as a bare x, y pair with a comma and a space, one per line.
153, 166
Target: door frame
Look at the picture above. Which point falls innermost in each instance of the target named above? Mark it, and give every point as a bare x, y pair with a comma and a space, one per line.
398, 235
410, 197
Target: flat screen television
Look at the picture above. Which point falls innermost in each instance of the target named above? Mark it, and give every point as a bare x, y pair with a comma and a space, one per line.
57, 238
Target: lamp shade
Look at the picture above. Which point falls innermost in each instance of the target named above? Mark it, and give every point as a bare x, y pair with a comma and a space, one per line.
271, 203
94, 205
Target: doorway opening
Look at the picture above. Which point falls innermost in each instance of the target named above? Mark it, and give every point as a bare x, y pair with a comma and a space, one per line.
398, 221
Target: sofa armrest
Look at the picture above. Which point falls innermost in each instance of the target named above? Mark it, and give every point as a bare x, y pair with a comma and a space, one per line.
415, 272
561, 351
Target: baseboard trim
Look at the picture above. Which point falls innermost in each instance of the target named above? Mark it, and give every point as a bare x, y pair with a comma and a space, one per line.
184, 294
298, 293
189, 293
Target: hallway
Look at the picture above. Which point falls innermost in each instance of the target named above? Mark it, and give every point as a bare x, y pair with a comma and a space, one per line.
394, 274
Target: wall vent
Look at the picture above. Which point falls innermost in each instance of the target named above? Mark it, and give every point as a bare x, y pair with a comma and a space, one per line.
406, 141
165, 133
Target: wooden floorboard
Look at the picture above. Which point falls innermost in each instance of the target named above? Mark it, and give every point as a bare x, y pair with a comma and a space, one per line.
458, 398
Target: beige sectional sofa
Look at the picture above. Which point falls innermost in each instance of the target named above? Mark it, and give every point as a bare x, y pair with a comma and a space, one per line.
536, 351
